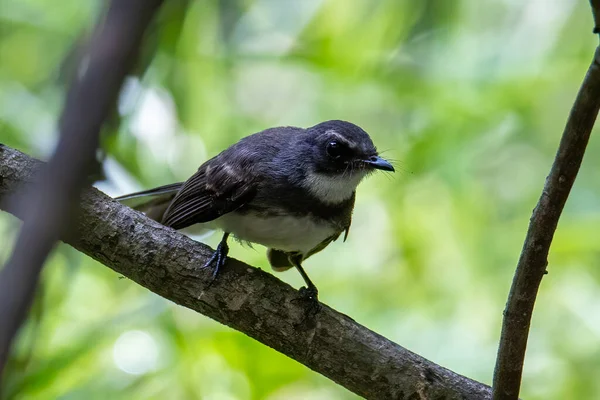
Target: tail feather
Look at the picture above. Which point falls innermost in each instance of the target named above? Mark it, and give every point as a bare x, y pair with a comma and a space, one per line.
279, 260
171, 188
152, 202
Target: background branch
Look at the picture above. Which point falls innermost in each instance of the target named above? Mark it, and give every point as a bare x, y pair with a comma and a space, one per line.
596, 14
48, 207
247, 299
534, 256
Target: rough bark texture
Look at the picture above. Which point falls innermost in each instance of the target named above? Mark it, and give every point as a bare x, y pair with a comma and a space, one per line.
534, 257
247, 299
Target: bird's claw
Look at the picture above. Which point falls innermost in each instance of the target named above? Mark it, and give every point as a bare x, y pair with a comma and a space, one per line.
309, 293
309, 296
217, 259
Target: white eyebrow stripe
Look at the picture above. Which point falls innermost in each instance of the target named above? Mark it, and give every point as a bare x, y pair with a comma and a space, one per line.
337, 135
341, 138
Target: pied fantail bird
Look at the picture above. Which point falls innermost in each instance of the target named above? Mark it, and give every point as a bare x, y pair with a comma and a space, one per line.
289, 189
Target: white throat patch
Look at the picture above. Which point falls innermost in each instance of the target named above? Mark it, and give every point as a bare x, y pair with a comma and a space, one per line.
332, 189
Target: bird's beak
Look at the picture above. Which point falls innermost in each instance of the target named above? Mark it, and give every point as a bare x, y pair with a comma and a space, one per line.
379, 163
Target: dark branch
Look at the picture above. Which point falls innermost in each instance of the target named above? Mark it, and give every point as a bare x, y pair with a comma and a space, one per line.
534, 256
247, 299
48, 207
596, 13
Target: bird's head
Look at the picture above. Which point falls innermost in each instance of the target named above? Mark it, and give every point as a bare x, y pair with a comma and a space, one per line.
342, 154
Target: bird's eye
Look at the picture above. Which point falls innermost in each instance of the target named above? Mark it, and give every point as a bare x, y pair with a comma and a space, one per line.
335, 149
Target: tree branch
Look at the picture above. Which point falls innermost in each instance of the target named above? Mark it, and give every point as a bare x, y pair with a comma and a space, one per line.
246, 299
534, 256
49, 206
596, 14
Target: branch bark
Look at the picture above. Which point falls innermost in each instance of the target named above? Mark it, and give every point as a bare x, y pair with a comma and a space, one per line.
246, 299
534, 256
87, 105
596, 14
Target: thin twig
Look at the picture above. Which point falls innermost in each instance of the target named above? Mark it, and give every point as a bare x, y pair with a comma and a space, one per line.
248, 300
534, 256
49, 206
596, 13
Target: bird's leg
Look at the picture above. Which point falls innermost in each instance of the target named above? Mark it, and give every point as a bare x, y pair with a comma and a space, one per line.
310, 291
219, 256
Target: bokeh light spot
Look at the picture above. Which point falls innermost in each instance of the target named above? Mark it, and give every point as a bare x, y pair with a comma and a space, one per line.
135, 352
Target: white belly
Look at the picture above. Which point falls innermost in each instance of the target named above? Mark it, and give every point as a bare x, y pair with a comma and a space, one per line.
282, 233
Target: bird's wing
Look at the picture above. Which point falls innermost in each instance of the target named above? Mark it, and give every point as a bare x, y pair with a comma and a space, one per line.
345, 228
214, 190
322, 245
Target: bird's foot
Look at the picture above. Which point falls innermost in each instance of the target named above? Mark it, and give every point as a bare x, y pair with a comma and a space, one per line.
217, 260
309, 295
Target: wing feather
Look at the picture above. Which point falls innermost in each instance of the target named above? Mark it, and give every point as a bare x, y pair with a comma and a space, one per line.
211, 192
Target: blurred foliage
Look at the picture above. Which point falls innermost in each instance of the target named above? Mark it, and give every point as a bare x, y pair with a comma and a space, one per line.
469, 98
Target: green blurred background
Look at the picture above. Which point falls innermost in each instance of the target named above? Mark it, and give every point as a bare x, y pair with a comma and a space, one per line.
468, 97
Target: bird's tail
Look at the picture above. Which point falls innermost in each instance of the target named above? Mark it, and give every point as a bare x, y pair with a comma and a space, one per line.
153, 202
279, 260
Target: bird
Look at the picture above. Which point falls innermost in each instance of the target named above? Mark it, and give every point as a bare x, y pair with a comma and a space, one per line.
289, 189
